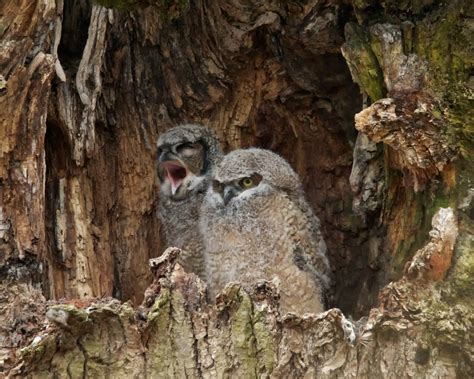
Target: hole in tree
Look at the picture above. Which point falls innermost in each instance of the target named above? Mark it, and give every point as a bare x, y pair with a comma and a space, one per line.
76, 18
58, 168
313, 128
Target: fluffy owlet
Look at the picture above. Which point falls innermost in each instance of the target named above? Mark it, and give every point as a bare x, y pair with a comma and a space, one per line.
256, 225
186, 157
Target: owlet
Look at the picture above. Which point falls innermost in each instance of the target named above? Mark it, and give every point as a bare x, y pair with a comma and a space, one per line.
186, 157
256, 225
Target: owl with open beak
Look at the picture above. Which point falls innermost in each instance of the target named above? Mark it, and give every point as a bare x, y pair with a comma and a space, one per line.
187, 155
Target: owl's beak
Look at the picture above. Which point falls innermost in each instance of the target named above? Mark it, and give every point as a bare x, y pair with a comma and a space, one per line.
229, 193
175, 173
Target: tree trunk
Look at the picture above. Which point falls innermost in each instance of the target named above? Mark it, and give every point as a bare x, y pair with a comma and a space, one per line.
371, 102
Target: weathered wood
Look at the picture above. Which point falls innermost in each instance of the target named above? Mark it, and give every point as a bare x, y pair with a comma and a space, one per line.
177, 334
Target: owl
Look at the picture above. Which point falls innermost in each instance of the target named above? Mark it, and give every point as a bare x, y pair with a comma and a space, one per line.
257, 225
187, 155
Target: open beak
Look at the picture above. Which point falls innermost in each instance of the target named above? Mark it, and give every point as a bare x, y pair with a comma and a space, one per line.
175, 172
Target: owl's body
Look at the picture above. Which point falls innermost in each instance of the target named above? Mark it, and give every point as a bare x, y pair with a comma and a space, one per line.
267, 231
179, 228
187, 155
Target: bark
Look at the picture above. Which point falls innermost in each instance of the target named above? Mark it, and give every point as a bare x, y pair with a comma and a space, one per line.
84, 93
177, 334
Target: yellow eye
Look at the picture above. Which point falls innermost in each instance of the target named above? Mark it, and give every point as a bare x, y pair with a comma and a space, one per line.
247, 182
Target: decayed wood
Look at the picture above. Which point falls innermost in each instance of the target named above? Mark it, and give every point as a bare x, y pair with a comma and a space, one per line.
177, 334
403, 65
410, 126
367, 176
23, 105
89, 84
434, 260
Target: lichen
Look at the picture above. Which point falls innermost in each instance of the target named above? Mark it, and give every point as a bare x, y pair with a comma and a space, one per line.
160, 305
264, 341
461, 277
75, 320
243, 339
444, 39
158, 326
441, 36
38, 354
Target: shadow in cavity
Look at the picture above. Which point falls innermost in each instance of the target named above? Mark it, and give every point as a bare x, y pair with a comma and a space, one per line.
58, 168
76, 18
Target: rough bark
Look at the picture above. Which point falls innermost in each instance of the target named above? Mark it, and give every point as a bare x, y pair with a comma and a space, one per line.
177, 334
84, 93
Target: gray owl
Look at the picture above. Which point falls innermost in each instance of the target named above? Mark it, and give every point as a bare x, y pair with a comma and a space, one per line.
256, 225
186, 157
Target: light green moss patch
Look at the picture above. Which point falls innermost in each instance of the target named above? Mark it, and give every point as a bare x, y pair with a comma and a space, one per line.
266, 348
363, 64
461, 277
243, 339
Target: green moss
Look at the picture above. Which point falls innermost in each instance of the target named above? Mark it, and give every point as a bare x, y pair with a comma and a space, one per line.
460, 114
171, 342
264, 341
362, 62
448, 325
160, 354
39, 355
161, 304
243, 339
75, 367
461, 277
442, 40
33, 353
445, 40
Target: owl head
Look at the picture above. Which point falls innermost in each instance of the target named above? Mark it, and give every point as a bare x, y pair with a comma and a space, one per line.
250, 173
186, 156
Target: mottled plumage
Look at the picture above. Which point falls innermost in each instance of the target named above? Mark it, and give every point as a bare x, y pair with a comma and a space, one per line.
257, 225
186, 157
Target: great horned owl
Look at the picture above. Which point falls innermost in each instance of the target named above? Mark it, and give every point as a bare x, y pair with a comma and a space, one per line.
186, 157
256, 224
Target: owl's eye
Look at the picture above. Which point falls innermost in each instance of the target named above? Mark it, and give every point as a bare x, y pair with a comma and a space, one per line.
246, 182
189, 149
185, 146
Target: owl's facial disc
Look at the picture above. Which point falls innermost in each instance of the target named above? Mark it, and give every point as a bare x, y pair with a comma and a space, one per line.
234, 188
180, 169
